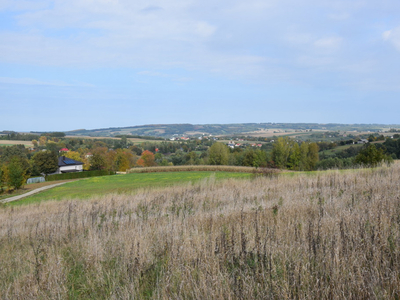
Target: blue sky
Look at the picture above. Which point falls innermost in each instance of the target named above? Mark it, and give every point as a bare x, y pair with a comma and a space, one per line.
75, 64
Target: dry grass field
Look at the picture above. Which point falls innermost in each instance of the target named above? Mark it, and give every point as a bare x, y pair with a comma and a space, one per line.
10, 143
324, 236
279, 132
133, 140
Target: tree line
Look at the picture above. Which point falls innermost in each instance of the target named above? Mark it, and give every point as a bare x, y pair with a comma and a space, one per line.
18, 163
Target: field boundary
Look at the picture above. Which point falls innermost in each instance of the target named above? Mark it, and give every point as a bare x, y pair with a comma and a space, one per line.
209, 168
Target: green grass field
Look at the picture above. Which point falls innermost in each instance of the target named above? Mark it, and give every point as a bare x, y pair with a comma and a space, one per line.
332, 152
87, 188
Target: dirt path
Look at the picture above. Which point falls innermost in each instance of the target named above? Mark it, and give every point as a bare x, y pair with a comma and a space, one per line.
31, 192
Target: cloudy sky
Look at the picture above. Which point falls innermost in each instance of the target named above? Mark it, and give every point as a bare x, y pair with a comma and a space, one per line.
74, 64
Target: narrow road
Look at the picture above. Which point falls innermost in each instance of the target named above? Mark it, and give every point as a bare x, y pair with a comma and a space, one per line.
31, 192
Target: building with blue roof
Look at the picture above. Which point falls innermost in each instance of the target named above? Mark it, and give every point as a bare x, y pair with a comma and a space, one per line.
68, 165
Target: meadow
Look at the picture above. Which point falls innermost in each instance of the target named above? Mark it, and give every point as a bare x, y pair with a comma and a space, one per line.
5, 143
332, 152
333, 235
122, 184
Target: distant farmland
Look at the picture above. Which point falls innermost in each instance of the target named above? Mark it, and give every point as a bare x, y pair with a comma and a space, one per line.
11, 143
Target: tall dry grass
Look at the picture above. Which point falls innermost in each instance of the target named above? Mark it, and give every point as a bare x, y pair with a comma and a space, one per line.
186, 168
328, 236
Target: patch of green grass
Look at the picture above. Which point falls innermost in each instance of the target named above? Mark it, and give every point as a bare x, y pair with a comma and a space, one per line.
332, 152
87, 188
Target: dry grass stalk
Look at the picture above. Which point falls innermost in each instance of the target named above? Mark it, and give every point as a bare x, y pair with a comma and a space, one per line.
193, 168
330, 236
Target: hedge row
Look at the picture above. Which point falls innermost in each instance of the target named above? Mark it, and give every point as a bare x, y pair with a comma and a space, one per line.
76, 175
193, 168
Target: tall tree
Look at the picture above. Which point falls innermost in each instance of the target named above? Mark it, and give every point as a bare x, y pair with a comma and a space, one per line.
46, 162
281, 152
294, 157
97, 162
303, 156
147, 159
15, 175
218, 154
2, 178
313, 156
42, 140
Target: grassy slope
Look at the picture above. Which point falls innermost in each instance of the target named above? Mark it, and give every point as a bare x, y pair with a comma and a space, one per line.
118, 184
332, 152
331, 236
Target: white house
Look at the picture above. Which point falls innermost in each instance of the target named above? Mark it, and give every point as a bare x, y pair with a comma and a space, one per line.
67, 165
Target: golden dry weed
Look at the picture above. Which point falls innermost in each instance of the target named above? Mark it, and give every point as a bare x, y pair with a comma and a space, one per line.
325, 236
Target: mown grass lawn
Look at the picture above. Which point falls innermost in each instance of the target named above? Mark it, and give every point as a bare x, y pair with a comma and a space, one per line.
87, 188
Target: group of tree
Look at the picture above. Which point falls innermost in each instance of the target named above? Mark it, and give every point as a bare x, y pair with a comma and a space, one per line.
14, 167
18, 163
368, 155
288, 154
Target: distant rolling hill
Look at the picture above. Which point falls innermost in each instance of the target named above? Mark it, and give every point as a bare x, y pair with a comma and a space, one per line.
258, 129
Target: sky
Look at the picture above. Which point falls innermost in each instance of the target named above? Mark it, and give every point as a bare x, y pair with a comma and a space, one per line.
86, 64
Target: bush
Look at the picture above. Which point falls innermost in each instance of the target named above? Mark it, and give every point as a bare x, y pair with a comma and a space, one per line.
266, 172
76, 175
336, 163
192, 168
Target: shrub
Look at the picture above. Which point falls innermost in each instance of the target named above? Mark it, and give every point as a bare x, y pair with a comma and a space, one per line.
76, 175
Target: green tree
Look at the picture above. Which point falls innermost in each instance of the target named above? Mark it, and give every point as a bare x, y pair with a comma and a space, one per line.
191, 158
254, 158
2, 178
281, 152
370, 156
294, 160
303, 165
15, 174
97, 162
9, 152
218, 154
46, 162
313, 156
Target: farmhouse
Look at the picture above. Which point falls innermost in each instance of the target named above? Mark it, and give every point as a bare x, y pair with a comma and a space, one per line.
67, 165
362, 141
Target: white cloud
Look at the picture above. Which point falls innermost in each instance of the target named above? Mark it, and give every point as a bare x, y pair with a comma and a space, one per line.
392, 36
339, 16
252, 39
204, 29
164, 75
328, 43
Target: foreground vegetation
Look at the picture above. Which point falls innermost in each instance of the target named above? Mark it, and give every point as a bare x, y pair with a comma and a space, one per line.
209, 168
329, 236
